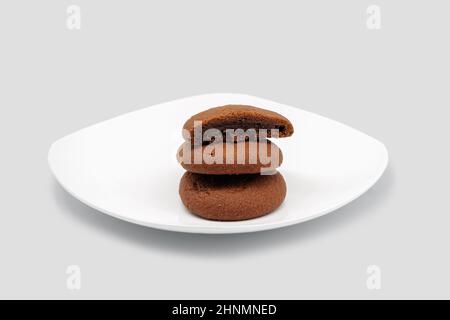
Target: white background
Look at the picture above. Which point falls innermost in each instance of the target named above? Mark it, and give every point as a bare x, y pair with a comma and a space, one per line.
391, 83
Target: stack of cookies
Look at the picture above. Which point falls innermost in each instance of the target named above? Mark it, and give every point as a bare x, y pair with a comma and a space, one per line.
231, 165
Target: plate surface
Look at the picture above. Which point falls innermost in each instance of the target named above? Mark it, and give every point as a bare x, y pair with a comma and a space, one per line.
126, 167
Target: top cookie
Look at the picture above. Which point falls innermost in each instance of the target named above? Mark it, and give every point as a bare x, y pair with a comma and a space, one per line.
238, 117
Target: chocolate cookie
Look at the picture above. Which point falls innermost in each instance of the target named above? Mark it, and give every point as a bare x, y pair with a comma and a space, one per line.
232, 197
243, 157
238, 117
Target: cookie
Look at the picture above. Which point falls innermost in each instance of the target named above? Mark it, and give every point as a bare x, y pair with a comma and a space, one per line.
243, 157
232, 197
237, 117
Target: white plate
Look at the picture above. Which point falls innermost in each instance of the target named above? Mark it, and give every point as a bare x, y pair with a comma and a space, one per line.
126, 167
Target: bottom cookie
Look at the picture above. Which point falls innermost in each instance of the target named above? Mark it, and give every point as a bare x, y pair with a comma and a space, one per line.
232, 197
